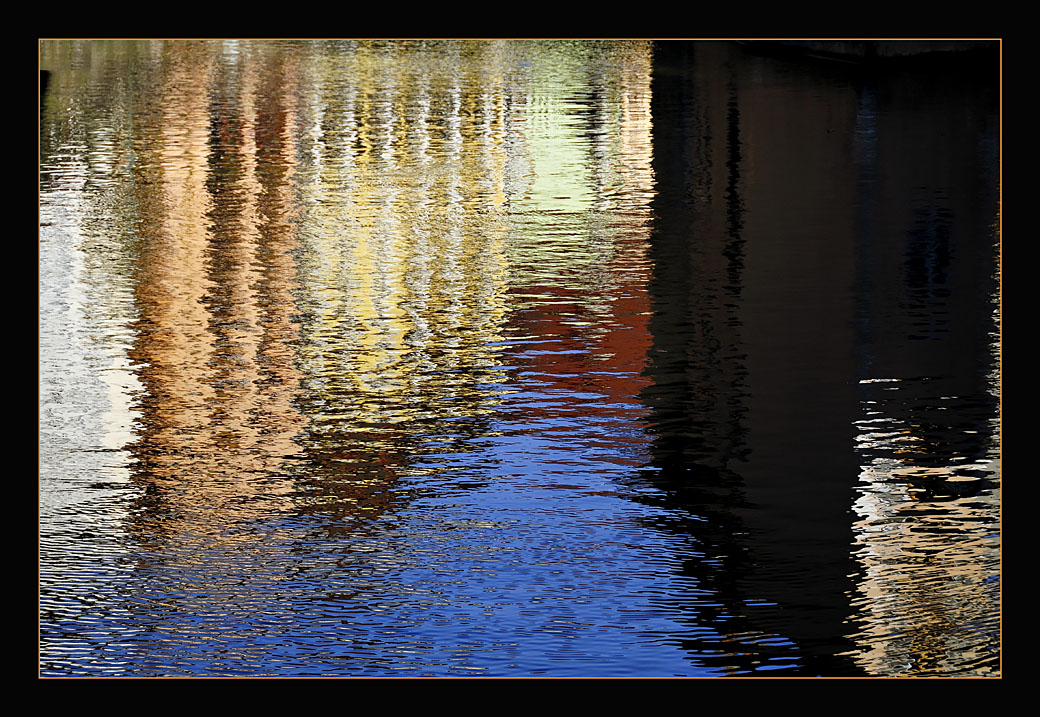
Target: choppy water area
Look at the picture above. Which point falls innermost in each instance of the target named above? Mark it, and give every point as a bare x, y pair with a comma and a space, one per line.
516, 359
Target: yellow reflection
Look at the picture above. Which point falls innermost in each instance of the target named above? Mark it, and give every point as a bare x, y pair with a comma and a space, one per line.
436, 180
404, 256
385, 195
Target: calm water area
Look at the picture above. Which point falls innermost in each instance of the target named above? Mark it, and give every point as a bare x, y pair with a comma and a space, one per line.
516, 359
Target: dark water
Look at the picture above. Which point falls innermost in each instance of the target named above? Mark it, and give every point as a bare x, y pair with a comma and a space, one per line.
516, 359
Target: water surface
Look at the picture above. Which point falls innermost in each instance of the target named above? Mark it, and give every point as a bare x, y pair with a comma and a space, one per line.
516, 359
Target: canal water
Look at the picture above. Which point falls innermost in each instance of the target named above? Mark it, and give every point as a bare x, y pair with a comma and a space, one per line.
516, 359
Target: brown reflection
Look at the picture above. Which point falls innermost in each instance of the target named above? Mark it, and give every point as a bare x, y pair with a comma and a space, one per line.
329, 243
926, 601
213, 295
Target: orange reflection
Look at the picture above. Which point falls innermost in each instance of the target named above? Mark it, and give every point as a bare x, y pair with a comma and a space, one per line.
214, 293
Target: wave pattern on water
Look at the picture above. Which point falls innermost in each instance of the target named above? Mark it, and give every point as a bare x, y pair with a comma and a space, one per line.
508, 358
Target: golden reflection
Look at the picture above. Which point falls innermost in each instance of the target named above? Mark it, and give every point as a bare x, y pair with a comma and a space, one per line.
214, 292
338, 260
432, 190
327, 238
403, 267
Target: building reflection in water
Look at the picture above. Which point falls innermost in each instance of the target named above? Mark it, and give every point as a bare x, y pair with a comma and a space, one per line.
823, 236
87, 383
403, 267
579, 334
927, 536
737, 309
213, 295
751, 353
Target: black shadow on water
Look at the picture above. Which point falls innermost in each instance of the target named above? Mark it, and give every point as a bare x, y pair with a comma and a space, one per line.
817, 226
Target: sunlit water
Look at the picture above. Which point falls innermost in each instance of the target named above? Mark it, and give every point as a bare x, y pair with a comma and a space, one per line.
515, 359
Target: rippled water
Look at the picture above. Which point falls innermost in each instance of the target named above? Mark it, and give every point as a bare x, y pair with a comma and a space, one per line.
516, 359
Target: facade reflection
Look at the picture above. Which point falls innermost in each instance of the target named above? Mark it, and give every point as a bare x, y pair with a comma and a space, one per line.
927, 537
580, 265
403, 265
435, 357
699, 398
213, 296
815, 236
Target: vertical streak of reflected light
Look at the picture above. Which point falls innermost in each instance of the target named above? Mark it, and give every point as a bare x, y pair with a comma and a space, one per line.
211, 341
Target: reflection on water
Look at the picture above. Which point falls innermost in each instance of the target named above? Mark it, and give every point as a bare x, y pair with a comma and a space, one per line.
515, 358
927, 531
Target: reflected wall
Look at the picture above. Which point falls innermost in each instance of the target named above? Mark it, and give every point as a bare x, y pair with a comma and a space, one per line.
823, 362
514, 357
